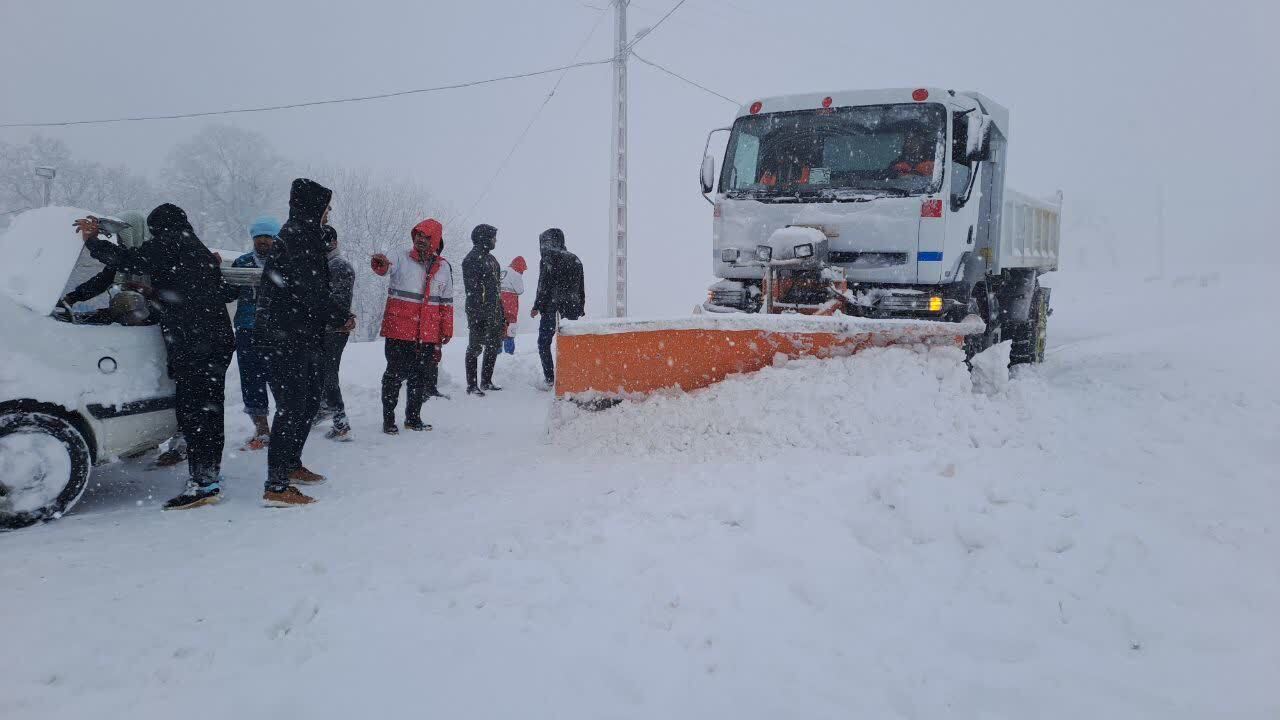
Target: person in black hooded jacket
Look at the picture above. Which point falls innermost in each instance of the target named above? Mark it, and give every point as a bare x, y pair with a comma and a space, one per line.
296, 308
561, 293
192, 298
482, 278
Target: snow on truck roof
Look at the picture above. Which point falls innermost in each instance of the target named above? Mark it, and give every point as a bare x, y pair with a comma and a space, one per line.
888, 96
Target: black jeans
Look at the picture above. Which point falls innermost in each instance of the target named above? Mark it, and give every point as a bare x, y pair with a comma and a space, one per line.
487, 340
199, 402
546, 332
331, 399
407, 360
296, 384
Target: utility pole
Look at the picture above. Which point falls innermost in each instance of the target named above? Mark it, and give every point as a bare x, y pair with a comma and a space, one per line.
617, 287
47, 173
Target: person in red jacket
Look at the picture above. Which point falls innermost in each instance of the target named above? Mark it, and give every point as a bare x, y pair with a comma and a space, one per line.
417, 323
512, 287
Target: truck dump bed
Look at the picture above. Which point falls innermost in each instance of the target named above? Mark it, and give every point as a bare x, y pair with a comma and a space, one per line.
1030, 231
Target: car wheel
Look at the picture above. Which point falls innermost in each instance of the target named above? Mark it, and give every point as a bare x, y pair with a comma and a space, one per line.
44, 467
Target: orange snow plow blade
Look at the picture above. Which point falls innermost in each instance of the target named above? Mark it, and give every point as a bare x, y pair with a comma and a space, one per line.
624, 359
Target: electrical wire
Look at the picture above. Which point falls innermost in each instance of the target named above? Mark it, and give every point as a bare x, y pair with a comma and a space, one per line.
11, 212
678, 76
312, 103
537, 113
656, 25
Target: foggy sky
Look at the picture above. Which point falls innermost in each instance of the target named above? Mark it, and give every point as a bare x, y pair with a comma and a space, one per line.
1112, 102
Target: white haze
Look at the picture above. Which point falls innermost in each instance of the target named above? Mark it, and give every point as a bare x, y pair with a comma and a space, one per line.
1114, 103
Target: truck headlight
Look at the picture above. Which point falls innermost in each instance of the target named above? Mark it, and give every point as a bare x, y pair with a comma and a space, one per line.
729, 255
804, 251
935, 304
764, 253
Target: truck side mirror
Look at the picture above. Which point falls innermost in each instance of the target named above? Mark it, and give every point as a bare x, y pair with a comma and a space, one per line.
978, 137
708, 174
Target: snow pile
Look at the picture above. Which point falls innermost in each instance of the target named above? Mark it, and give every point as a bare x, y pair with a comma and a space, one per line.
877, 402
991, 368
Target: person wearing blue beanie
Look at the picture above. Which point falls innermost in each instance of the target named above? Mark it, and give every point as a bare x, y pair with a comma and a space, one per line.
254, 366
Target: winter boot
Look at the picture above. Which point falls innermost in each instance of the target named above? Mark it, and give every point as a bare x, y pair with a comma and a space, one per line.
475, 390
288, 497
303, 476
194, 496
434, 393
416, 425
489, 387
257, 442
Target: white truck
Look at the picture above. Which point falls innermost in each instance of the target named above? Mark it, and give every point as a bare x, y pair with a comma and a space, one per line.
907, 187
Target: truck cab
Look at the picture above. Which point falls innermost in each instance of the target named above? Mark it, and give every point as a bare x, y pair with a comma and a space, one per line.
907, 185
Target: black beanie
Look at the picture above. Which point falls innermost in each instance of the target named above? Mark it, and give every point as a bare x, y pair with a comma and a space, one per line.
484, 235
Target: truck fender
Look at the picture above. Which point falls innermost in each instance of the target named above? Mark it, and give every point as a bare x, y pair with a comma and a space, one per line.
1016, 290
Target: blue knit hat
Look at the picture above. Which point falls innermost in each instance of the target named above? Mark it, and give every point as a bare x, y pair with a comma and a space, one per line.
264, 226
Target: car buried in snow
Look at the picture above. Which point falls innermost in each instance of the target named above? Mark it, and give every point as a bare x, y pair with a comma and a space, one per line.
76, 389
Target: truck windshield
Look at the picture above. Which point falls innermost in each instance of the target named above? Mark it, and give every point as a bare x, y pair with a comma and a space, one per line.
860, 151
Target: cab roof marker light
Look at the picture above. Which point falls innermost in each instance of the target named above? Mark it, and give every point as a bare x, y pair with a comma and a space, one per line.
756, 107
920, 95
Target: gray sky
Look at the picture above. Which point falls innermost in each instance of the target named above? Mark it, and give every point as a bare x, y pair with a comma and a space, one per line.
1110, 101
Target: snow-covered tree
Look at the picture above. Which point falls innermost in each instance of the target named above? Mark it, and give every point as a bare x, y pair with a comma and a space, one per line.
225, 177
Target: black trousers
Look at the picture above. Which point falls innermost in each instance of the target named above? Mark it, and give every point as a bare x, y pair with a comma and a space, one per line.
296, 385
408, 362
486, 340
199, 402
331, 361
547, 333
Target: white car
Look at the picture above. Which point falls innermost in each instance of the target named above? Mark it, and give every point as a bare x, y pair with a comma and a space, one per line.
72, 395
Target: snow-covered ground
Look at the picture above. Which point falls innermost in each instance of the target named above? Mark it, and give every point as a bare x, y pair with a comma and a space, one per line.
862, 537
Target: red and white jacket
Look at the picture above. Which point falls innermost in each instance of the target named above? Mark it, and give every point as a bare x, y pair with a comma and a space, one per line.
419, 300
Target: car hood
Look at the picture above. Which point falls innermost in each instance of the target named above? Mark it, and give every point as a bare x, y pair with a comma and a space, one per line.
38, 251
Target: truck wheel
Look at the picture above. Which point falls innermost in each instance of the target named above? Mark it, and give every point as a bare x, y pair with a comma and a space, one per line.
44, 467
981, 305
1029, 338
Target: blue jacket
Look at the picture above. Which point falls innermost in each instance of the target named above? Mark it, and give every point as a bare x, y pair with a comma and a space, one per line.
247, 305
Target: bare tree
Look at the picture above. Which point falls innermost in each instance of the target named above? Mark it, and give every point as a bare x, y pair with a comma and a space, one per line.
225, 177
89, 185
374, 213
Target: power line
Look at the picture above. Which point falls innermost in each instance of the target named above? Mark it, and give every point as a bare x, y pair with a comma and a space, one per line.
656, 25
312, 103
537, 113
678, 76
11, 212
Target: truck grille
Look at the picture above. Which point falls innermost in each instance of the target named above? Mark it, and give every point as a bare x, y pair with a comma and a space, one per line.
867, 259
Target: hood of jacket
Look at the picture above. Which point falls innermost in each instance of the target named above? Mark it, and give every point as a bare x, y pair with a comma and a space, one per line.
308, 200
167, 221
519, 265
434, 232
551, 238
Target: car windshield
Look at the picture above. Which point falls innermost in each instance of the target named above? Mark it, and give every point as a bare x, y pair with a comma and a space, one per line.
866, 150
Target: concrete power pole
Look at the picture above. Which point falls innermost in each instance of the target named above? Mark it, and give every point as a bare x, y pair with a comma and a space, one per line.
617, 287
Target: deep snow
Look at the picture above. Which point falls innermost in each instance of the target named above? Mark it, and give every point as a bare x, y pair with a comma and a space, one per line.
862, 537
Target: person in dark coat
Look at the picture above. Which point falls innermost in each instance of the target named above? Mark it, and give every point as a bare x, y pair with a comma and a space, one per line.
296, 308
342, 283
561, 293
192, 298
486, 321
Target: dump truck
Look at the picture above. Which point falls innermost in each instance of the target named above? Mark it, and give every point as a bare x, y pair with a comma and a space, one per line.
843, 221
904, 190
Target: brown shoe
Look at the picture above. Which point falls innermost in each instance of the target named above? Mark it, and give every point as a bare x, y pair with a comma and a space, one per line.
289, 497
303, 476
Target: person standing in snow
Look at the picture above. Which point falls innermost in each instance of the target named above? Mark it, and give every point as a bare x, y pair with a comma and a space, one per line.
296, 309
192, 298
417, 323
342, 282
561, 293
481, 276
254, 363
512, 287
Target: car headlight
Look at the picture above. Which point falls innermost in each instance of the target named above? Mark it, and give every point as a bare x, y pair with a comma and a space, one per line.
764, 253
804, 251
729, 255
